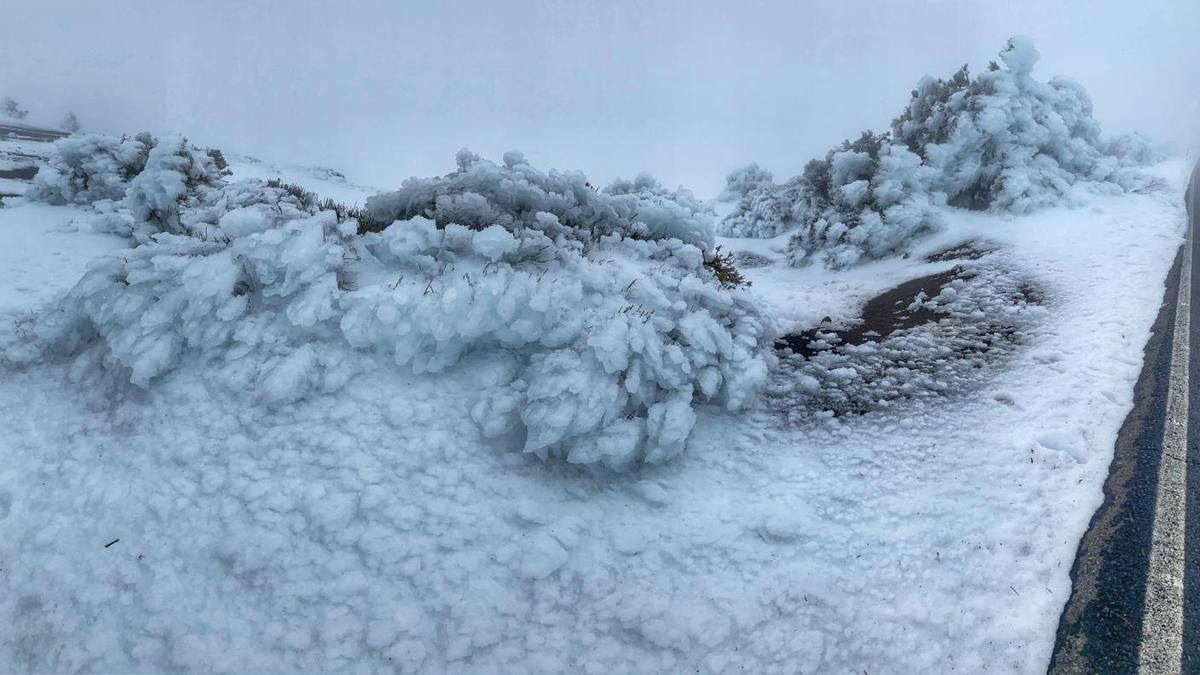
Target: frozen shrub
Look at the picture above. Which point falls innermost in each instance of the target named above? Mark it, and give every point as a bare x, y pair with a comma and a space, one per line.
612, 335
930, 115
1000, 141
218, 159
366, 222
1008, 142
88, 168
248, 301
741, 182
868, 200
1133, 148
308, 199
765, 210
70, 123
246, 279
10, 108
615, 341
517, 197
172, 175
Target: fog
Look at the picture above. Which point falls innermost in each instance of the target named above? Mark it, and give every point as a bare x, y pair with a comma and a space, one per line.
685, 90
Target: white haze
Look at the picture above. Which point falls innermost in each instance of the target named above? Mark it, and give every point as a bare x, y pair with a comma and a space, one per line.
684, 90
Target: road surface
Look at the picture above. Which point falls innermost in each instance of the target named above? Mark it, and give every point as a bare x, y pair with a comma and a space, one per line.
1135, 600
21, 132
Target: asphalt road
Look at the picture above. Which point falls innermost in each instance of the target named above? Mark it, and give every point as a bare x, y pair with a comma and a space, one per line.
20, 132
1135, 600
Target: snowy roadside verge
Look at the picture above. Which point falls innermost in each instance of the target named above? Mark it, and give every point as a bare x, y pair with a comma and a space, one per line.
966, 511
375, 529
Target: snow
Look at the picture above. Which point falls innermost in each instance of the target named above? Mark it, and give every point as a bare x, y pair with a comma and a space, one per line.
43, 250
325, 183
386, 526
12, 186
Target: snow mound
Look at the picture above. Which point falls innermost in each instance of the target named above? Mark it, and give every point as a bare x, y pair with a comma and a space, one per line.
1001, 141
86, 168
604, 307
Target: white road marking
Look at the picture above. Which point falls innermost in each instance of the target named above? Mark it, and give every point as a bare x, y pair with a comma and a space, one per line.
1162, 619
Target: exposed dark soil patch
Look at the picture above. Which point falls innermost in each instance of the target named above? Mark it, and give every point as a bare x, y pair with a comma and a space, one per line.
967, 250
926, 338
883, 315
1029, 295
748, 260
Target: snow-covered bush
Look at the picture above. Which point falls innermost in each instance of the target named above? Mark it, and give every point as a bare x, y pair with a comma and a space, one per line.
765, 210
1001, 141
930, 115
1133, 148
1006, 141
607, 308
866, 198
518, 197
613, 341
741, 182
607, 300
172, 175
869, 199
246, 300
10, 108
70, 123
88, 168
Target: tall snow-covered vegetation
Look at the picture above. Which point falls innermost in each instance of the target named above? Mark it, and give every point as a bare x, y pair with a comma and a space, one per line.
610, 312
1000, 141
87, 168
168, 184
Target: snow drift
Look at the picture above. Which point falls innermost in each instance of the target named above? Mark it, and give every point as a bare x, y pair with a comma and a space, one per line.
610, 309
1001, 141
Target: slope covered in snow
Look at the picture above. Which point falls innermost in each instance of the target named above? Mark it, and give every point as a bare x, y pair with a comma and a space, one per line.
377, 523
324, 182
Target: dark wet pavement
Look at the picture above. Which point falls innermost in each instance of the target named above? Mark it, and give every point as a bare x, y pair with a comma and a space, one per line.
20, 132
1101, 626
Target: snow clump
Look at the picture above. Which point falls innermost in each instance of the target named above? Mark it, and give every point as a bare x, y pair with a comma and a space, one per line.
603, 308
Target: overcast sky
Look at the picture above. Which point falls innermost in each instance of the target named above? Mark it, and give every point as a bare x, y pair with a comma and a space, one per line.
686, 90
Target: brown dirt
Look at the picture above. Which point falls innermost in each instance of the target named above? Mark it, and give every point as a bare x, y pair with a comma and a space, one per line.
883, 315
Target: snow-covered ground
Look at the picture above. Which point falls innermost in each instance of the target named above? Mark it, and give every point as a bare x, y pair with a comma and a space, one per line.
43, 250
327, 183
374, 529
